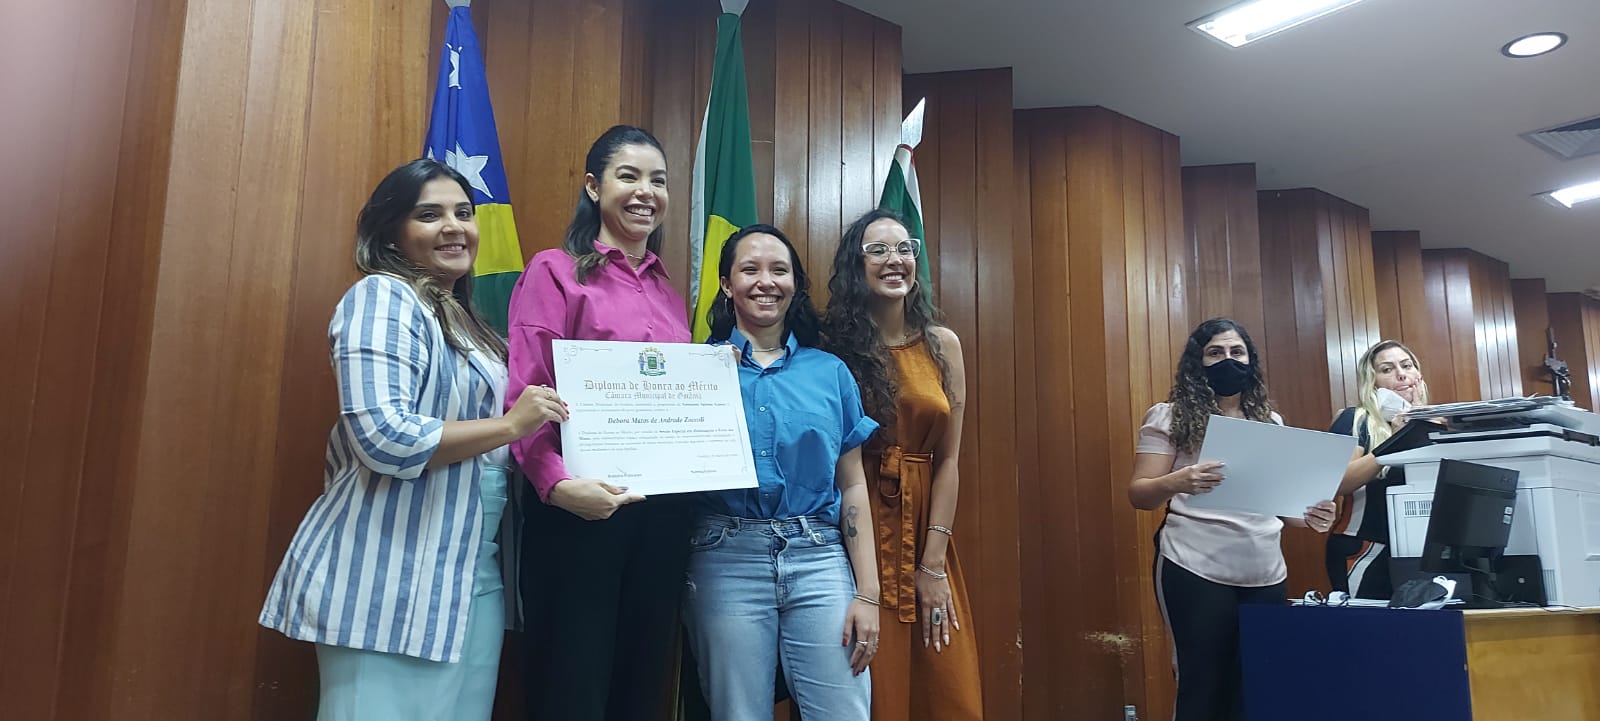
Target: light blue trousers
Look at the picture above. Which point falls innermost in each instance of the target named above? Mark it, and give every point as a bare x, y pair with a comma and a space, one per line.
761, 590
362, 685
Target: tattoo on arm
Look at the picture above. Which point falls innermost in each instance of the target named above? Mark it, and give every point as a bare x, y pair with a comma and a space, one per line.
850, 522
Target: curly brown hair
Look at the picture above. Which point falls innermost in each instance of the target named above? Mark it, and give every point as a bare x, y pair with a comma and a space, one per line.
848, 330
1193, 402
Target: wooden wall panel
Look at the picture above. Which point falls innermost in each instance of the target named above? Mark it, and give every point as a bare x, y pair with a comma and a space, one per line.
288, 112
1315, 249
1103, 208
970, 146
560, 73
94, 133
258, 278
1566, 319
1531, 310
1591, 336
1222, 226
1399, 290
1039, 657
1576, 320
1469, 297
127, 314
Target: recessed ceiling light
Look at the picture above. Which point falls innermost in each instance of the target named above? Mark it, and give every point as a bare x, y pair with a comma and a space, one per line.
1575, 194
1534, 45
1250, 21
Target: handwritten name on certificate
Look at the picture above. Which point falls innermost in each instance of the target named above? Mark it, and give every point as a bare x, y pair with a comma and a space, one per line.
655, 417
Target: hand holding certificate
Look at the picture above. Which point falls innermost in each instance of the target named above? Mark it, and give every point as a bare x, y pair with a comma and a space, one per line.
1272, 470
653, 417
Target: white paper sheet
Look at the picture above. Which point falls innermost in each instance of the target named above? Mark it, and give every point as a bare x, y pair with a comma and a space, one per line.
1271, 469
654, 417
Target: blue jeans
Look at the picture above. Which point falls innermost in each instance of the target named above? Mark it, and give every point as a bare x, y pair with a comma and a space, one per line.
761, 590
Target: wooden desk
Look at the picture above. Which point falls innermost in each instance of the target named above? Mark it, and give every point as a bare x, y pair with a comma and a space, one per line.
1534, 663
1309, 663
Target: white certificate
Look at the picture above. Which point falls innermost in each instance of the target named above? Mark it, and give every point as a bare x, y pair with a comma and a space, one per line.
654, 417
1272, 470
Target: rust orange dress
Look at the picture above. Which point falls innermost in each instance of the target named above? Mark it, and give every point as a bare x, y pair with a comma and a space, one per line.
910, 681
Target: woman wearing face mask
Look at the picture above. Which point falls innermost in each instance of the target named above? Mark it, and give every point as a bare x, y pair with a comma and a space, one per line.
785, 570
1210, 562
1389, 381
602, 568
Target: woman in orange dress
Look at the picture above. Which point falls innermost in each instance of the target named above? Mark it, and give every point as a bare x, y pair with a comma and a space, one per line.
882, 323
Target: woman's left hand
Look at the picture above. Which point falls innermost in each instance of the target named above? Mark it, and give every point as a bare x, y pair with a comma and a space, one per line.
1320, 517
935, 611
861, 629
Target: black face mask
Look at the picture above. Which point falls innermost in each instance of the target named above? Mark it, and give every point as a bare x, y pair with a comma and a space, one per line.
1229, 377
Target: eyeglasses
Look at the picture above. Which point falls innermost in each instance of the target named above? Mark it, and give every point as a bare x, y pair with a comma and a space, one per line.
906, 248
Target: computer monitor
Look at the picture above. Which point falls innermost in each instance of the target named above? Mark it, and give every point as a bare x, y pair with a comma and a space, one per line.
1470, 523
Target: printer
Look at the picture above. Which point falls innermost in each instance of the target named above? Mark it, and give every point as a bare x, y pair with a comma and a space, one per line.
1554, 446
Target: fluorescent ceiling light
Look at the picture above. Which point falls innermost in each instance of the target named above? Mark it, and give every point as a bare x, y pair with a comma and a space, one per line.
1573, 195
1533, 45
1250, 21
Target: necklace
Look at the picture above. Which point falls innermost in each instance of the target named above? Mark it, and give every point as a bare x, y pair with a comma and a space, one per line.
754, 349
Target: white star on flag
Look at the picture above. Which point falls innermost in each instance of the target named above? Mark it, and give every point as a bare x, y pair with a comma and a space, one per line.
470, 166
455, 67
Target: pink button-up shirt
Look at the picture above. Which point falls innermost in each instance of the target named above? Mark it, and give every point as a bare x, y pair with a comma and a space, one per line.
618, 303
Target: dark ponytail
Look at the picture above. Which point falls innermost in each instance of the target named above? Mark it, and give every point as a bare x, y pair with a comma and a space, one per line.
585, 225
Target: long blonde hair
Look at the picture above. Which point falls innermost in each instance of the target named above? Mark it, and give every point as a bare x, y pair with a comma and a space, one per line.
1367, 413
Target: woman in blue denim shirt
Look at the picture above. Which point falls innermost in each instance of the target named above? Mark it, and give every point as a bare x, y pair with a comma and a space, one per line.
786, 571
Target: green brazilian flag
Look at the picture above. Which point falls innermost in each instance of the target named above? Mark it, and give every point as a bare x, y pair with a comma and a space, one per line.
724, 195
901, 194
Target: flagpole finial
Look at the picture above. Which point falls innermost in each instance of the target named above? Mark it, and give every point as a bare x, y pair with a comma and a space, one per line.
911, 127
458, 3
735, 6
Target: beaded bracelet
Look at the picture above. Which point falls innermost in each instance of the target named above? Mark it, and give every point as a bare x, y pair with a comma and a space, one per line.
942, 529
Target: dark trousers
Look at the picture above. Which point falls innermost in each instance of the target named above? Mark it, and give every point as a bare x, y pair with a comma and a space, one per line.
1362, 564
1203, 618
601, 601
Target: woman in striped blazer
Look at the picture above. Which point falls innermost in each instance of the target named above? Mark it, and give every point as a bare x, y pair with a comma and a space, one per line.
393, 573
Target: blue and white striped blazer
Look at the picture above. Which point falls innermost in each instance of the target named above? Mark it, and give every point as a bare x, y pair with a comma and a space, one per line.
384, 559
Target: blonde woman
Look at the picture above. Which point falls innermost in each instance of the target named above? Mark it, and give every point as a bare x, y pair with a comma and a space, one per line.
1390, 380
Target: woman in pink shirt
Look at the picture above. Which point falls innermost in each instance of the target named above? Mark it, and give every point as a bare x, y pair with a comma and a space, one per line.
1209, 562
602, 568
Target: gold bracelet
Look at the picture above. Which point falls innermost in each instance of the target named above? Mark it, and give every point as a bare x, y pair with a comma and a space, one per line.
864, 599
932, 573
942, 529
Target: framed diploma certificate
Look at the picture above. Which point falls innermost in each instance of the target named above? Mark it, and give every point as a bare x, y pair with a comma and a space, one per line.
654, 417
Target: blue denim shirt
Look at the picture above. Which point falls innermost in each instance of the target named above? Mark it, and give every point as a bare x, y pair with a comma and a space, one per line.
804, 412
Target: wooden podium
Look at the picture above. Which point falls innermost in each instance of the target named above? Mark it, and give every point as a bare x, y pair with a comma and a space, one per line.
1318, 662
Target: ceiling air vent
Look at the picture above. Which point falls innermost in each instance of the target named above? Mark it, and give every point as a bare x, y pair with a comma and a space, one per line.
1573, 140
